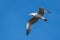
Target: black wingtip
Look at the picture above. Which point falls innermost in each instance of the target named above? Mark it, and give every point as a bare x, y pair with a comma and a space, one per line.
45, 20
27, 32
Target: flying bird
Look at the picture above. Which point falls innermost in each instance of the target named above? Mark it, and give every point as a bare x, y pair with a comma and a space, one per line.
36, 16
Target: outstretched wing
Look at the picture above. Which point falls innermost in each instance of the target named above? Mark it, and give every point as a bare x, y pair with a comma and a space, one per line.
47, 11
41, 11
30, 22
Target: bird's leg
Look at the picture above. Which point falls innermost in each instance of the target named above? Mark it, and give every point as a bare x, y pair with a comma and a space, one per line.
43, 18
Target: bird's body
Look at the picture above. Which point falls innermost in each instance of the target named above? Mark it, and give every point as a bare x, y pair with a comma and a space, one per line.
36, 16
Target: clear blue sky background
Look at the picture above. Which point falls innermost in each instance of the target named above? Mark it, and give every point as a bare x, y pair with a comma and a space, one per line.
14, 15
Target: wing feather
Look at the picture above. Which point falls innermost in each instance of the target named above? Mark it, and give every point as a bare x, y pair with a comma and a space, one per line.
41, 11
30, 22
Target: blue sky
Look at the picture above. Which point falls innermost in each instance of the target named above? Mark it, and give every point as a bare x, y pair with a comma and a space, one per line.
14, 15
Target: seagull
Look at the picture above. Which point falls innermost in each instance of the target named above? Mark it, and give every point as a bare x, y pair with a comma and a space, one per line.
36, 16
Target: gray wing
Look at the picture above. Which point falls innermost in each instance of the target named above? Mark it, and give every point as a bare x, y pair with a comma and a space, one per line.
30, 22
